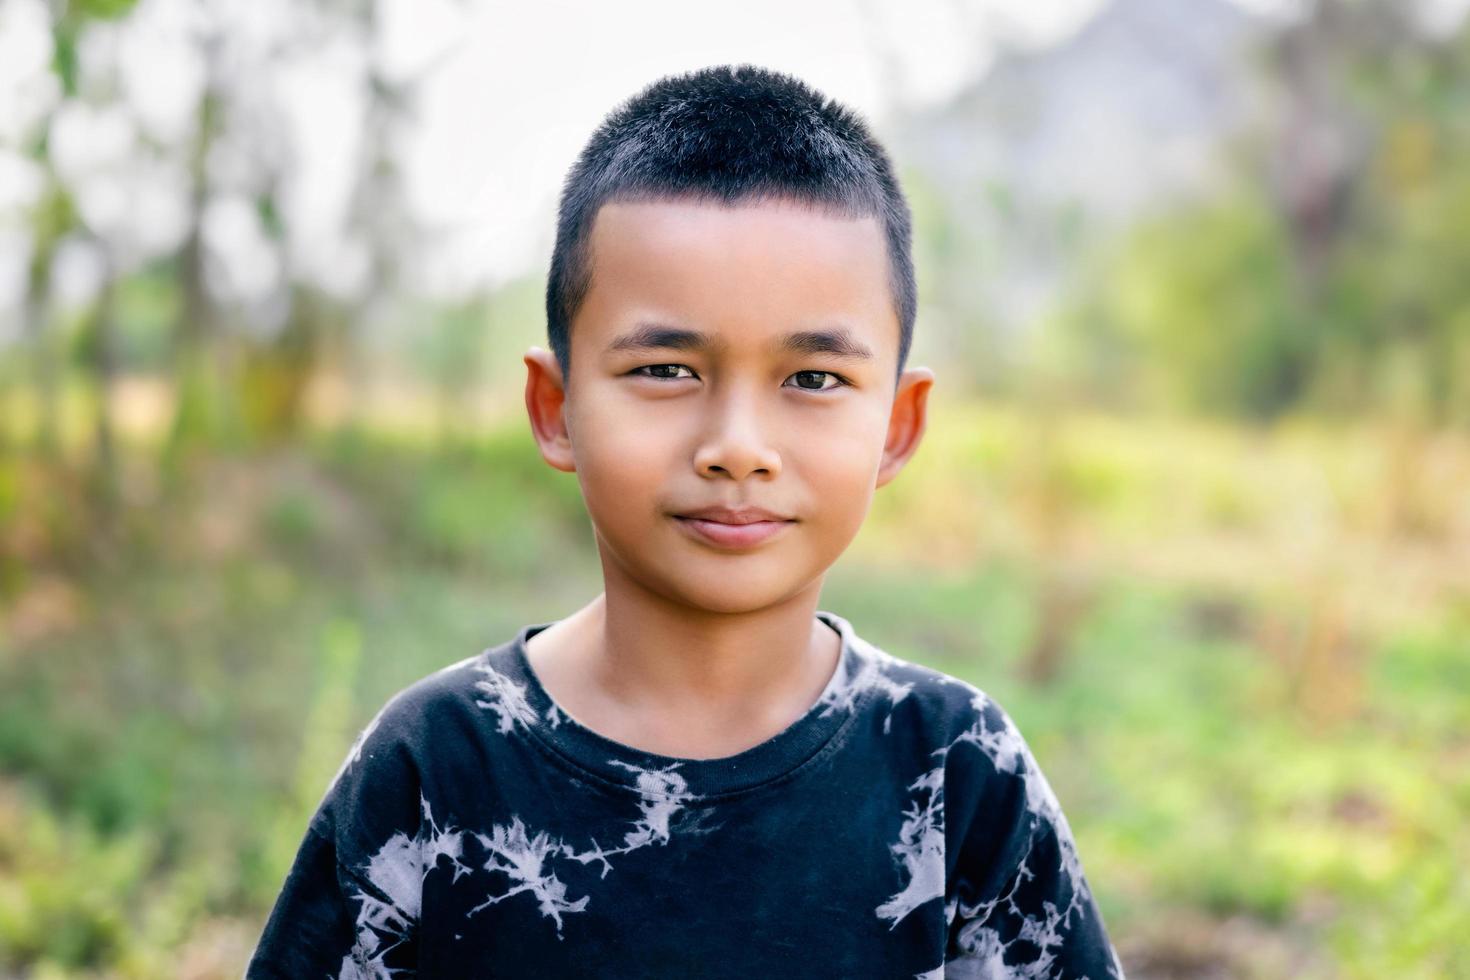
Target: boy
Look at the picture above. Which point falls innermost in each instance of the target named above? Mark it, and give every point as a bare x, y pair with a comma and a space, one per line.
700, 774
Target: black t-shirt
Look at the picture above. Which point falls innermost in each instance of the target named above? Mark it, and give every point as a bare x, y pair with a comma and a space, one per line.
899, 828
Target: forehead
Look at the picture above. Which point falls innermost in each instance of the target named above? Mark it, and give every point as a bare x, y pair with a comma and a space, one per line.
752, 270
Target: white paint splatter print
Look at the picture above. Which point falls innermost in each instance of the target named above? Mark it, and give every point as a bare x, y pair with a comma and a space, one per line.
397, 872
871, 672
506, 698
663, 793
1008, 752
536, 815
982, 948
919, 849
982, 951
523, 858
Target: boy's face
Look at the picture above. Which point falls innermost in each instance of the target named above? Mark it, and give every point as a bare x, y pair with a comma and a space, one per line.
731, 415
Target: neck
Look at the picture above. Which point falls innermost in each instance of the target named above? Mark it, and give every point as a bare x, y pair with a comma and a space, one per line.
652, 658
713, 662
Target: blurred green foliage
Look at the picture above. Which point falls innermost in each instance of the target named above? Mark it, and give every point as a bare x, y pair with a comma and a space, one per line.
1207, 287
1231, 617
166, 733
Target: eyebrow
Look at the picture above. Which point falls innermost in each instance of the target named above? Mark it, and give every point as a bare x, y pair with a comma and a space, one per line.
653, 337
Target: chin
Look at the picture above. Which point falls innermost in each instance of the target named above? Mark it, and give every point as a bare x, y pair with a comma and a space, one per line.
731, 592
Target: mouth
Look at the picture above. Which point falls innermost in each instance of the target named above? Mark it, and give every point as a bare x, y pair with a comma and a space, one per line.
737, 536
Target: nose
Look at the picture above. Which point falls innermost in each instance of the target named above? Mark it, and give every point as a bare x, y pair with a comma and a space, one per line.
734, 442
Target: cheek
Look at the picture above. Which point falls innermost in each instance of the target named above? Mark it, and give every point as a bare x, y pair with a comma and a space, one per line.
838, 469
618, 460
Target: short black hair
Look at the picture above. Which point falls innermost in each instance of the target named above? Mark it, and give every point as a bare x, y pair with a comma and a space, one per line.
727, 134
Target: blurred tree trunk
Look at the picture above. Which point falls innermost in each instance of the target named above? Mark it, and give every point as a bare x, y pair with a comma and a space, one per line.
44, 368
104, 361
52, 220
275, 377
196, 410
378, 217
1065, 592
1063, 599
379, 210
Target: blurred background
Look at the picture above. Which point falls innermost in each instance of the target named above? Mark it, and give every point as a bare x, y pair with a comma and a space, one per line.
1194, 504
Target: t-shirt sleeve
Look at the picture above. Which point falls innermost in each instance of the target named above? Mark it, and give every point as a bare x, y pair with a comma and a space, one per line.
350, 902
1022, 905
312, 929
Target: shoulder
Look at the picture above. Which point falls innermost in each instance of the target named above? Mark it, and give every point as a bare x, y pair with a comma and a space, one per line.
381, 788
954, 704
388, 756
402, 719
971, 732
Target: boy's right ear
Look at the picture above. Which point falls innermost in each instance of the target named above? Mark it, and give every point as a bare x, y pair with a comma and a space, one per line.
546, 406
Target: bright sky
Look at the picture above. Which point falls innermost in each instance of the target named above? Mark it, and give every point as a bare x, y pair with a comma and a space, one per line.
515, 89
508, 94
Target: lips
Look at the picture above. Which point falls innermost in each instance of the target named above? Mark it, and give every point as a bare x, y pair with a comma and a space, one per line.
733, 515
727, 527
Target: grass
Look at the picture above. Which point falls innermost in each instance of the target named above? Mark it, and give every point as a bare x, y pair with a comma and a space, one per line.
1260, 743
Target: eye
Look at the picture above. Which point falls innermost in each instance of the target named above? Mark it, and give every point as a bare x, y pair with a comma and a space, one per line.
656, 371
656, 367
807, 374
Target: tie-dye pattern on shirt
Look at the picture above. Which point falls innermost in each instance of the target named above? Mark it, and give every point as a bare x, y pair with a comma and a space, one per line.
900, 828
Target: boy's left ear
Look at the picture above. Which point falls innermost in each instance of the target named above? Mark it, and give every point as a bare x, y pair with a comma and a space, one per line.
906, 421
